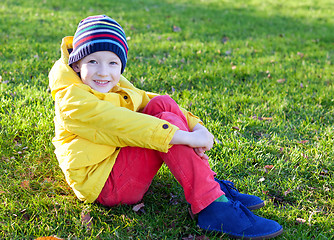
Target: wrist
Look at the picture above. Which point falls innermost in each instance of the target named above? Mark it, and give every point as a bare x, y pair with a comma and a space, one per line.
181, 137
198, 126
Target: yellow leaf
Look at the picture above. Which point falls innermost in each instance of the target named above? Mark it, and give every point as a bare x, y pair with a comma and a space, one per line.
48, 238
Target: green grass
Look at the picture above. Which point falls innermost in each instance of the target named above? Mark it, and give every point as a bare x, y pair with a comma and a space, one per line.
233, 63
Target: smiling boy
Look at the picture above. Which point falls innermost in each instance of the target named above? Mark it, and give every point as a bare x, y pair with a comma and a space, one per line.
111, 138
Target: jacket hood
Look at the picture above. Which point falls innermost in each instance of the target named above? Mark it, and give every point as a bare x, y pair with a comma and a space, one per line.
61, 74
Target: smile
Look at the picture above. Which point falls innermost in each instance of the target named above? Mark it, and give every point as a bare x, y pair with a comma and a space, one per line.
101, 82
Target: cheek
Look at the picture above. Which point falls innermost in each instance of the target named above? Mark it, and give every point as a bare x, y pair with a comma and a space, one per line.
85, 74
117, 77
116, 73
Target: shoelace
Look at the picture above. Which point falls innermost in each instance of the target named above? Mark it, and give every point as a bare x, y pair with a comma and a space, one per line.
241, 209
230, 185
236, 206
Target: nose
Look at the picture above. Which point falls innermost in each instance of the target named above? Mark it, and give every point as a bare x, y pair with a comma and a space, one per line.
103, 70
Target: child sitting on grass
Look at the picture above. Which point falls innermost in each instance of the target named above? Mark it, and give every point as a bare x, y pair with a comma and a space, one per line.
111, 138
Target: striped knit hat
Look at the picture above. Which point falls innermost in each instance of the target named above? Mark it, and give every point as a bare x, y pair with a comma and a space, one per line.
99, 33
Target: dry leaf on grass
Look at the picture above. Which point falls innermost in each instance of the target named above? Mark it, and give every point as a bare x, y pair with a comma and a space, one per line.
86, 220
287, 192
269, 167
176, 29
191, 237
25, 184
48, 238
225, 39
300, 220
265, 118
138, 207
301, 55
191, 214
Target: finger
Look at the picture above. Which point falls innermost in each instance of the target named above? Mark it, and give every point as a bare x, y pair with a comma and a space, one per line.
198, 152
205, 157
200, 149
208, 147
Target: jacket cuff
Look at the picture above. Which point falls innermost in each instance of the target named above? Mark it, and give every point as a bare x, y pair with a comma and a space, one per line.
163, 135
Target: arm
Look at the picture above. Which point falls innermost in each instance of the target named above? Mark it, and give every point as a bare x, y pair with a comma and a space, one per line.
101, 122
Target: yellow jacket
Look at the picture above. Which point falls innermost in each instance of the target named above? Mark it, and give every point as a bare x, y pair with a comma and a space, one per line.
91, 127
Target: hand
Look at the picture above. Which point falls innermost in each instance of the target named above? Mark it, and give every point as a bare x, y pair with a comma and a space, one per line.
200, 137
201, 153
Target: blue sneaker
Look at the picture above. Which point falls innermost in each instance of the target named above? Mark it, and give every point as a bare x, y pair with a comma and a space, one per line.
250, 201
237, 221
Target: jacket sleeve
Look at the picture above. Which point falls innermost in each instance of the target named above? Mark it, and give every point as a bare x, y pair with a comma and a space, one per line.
191, 119
100, 121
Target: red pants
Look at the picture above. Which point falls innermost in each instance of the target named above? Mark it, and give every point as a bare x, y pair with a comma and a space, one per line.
135, 167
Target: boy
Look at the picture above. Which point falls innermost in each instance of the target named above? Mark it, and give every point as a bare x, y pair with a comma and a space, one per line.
111, 138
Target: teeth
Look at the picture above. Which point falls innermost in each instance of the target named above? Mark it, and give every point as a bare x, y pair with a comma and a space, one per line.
101, 82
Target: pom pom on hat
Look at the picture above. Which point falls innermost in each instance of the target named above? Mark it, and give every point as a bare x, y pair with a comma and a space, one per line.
99, 33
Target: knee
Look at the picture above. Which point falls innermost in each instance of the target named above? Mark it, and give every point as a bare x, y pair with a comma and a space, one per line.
162, 100
158, 104
165, 102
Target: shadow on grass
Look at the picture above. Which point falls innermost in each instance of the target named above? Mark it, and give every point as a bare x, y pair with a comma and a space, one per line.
198, 20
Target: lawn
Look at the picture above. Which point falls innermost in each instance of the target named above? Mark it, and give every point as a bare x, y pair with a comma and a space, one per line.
259, 74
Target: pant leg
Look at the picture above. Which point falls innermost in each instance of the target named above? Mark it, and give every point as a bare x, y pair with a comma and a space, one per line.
130, 177
193, 173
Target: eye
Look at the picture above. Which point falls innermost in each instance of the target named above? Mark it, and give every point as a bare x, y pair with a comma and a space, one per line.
113, 63
92, 61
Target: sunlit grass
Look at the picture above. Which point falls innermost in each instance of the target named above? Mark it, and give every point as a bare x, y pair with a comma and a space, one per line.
258, 73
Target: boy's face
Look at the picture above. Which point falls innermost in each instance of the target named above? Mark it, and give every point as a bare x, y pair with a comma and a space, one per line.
100, 70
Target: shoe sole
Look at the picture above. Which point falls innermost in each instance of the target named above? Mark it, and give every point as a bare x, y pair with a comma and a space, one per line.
257, 206
272, 235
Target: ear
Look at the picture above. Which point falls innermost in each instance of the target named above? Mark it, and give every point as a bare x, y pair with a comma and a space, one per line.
76, 67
